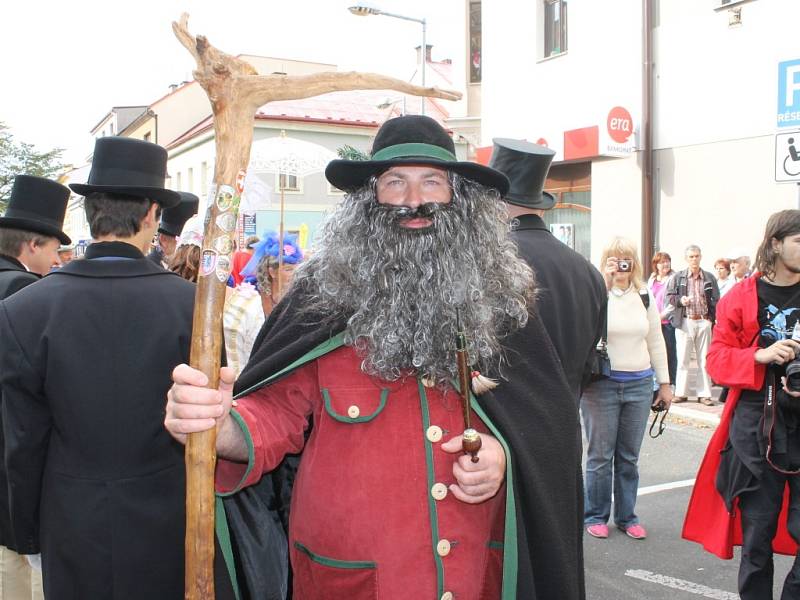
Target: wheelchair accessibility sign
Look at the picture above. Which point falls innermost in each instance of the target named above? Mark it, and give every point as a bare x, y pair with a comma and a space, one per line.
787, 156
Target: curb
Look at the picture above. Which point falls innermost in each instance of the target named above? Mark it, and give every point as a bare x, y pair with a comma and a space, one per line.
693, 416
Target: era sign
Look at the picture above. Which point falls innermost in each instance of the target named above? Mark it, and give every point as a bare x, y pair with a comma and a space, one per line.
789, 93
619, 124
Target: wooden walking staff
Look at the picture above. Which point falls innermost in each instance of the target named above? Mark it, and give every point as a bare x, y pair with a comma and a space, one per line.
236, 91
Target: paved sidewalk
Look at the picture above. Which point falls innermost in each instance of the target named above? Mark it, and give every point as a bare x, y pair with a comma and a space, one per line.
692, 410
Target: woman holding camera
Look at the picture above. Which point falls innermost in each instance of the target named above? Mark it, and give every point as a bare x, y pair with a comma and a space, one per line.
615, 409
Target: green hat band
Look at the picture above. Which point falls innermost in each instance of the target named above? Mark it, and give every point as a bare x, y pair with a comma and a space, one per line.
414, 150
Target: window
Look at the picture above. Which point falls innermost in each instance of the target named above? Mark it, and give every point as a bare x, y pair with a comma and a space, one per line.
555, 27
204, 178
190, 180
289, 183
146, 137
334, 191
178, 182
475, 42
111, 128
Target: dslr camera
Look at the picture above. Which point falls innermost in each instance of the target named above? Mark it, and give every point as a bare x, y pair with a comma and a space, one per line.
624, 266
793, 368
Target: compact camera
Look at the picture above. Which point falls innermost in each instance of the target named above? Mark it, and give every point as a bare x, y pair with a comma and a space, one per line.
624, 266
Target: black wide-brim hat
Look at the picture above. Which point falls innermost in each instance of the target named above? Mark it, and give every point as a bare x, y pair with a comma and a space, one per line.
526, 165
410, 140
37, 205
173, 219
129, 167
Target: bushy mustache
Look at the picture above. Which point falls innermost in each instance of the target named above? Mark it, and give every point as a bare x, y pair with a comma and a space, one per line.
424, 211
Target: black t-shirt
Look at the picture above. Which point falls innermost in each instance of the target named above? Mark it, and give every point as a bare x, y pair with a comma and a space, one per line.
776, 321
778, 313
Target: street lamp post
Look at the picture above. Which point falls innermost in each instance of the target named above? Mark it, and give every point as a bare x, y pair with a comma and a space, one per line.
364, 10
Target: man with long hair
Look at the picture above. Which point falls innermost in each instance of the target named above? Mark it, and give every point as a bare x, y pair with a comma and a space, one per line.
753, 460
385, 503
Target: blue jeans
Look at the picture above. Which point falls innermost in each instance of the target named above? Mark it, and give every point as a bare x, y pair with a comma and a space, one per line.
615, 417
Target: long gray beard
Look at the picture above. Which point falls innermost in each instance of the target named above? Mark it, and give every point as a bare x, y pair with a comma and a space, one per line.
400, 288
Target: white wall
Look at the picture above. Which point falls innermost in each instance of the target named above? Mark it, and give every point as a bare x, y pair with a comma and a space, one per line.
616, 202
526, 97
716, 82
718, 196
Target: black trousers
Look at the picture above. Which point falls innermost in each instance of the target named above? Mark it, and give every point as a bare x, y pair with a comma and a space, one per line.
760, 510
672, 352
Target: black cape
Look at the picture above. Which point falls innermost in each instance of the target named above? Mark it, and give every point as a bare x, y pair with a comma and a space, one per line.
538, 426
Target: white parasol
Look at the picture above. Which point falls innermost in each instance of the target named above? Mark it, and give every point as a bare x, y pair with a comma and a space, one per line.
287, 156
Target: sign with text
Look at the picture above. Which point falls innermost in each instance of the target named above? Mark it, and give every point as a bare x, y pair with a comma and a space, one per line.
789, 93
619, 138
787, 157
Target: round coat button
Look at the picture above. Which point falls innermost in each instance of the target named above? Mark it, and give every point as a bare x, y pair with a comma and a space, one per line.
353, 412
434, 433
447, 596
439, 491
443, 547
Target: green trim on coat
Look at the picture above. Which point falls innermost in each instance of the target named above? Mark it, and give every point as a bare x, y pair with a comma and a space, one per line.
224, 538
251, 454
346, 419
333, 562
323, 348
434, 518
510, 557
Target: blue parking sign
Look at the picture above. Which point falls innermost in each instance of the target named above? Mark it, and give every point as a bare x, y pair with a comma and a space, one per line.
789, 93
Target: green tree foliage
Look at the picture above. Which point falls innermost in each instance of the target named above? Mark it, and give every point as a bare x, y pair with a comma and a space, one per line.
347, 152
19, 158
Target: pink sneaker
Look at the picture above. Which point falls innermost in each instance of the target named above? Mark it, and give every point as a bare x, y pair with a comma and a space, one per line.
636, 532
598, 530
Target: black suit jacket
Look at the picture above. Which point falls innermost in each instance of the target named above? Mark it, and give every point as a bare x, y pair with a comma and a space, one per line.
13, 277
571, 301
96, 483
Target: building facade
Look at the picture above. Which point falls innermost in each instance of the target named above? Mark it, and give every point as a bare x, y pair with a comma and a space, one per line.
571, 74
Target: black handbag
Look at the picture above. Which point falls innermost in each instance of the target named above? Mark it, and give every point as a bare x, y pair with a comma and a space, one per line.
599, 363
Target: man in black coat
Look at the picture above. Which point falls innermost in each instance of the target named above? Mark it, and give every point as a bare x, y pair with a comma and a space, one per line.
30, 232
30, 235
571, 303
572, 296
95, 482
171, 226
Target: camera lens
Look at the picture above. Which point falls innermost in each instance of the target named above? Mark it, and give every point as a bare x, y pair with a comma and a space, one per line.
793, 376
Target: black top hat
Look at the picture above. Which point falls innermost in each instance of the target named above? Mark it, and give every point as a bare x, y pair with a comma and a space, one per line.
526, 166
173, 219
38, 205
130, 167
412, 139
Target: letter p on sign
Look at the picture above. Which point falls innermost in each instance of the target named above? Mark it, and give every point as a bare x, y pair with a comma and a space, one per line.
619, 124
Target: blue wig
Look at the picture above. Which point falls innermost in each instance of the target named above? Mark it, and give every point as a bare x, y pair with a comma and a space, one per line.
269, 246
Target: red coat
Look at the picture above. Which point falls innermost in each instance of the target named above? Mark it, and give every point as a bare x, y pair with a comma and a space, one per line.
730, 363
371, 515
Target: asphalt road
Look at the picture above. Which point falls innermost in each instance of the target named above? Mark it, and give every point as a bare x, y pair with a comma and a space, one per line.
664, 566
